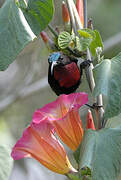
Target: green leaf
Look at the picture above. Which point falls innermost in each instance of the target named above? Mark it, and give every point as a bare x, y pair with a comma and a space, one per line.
87, 33
6, 162
82, 43
21, 4
86, 173
73, 176
15, 33
101, 153
38, 14
97, 42
64, 40
76, 154
84, 34
108, 82
113, 122
95, 39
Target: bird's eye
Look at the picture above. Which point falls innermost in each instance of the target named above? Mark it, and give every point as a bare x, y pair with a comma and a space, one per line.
61, 58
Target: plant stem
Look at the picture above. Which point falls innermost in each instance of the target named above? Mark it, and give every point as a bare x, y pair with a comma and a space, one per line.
85, 13
89, 74
52, 30
100, 110
73, 24
76, 15
88, 70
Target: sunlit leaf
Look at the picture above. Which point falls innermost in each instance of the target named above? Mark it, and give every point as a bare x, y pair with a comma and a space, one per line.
64, 40
97, 42
82, 43
86, 33
94, 37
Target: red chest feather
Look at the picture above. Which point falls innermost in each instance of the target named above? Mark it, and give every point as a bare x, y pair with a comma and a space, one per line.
67, 75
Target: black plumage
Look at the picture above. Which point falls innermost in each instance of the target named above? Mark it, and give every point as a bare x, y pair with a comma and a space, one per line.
64, 75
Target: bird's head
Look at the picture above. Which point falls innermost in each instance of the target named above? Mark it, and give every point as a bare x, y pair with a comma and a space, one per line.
54, 59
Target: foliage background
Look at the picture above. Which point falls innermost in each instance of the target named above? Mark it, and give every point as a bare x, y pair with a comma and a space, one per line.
24, 87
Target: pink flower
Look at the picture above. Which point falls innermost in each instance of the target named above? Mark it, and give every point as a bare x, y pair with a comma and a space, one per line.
39, 142
64, 116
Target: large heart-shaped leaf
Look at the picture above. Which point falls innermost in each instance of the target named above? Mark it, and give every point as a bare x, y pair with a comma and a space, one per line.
101, 152
15, 33
6, 162
16, 30
38, 14
108, 82
113, 122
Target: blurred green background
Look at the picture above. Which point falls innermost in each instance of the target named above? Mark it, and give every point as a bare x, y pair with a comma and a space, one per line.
24, 87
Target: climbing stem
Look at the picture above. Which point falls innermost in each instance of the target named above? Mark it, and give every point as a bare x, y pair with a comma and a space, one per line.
99, 111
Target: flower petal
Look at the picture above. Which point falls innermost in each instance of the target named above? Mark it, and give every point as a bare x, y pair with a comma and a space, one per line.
69, 129
64, 116
39, 142
59, 108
